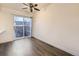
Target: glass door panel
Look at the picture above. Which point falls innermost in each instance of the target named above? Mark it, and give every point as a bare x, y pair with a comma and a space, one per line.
18, 20
27, 27
18, 26
26, 31
18, 31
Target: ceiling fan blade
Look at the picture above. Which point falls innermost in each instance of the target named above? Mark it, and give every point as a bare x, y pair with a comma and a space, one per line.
31, 10
25, 4
31, 6
36, 9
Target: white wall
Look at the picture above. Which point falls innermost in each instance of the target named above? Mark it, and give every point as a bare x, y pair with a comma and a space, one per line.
58, 25
6, 23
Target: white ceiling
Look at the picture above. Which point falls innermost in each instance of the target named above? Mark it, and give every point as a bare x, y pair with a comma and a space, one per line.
19, 6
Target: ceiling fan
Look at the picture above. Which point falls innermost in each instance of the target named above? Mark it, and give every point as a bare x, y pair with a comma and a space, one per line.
31, 6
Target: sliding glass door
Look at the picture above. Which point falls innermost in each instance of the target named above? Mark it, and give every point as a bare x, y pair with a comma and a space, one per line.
22, 27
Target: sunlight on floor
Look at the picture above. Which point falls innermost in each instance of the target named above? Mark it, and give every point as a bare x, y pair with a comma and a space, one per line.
21, 47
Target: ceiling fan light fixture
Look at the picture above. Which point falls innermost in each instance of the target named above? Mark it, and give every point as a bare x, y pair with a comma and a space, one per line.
31, 7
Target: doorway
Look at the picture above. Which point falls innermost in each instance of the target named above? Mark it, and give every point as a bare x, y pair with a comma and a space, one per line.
22, 27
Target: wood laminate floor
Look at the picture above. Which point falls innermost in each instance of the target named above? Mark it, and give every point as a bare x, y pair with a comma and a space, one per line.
30, 47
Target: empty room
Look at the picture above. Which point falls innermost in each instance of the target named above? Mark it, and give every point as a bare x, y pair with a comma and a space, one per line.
39, 29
